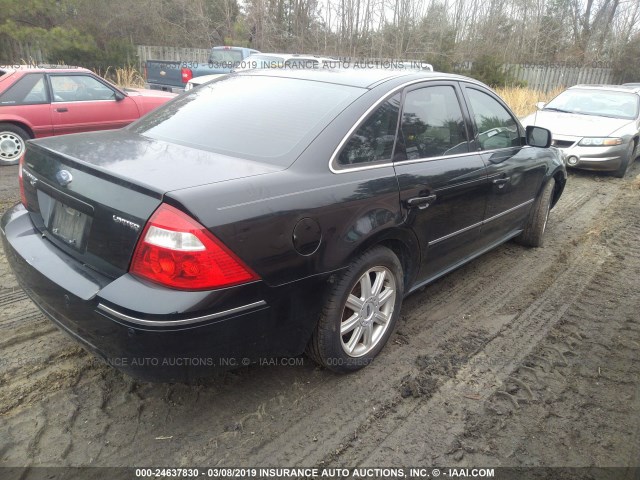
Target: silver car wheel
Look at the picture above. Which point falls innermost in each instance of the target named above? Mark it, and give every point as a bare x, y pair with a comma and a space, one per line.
368, 310
11, 146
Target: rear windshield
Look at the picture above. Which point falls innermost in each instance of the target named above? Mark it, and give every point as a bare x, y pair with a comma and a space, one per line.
219, 56
30, 89
259, 118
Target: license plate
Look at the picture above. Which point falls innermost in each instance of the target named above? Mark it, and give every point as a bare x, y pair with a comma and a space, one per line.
69, 225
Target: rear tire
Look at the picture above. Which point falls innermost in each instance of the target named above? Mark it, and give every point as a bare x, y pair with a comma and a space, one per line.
360, 312
533, 233
12, 143
626, 161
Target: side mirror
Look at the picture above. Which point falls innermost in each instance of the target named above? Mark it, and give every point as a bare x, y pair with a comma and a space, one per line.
540, 105
119, 96
538, 137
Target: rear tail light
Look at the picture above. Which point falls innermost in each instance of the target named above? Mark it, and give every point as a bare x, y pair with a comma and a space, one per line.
187, 74
176, 251
23, 197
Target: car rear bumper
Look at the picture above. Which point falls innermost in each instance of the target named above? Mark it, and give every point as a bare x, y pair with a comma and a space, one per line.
163, 88
153, 333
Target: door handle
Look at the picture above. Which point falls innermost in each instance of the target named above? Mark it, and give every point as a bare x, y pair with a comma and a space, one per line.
501, 181
421, 202
62, 109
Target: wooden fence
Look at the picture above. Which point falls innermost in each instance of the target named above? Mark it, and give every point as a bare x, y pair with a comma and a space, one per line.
12, 52
550, 77
175, 54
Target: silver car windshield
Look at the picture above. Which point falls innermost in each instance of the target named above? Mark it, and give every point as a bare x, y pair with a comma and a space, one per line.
596, 102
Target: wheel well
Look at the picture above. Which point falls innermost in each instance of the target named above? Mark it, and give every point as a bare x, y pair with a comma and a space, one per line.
23, 126
402, 251
558, 187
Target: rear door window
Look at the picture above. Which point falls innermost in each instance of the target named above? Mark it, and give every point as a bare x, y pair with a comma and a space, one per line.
432, 123
29, 90
373, 141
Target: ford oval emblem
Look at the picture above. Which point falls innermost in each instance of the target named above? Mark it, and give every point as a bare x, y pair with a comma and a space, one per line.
64, 178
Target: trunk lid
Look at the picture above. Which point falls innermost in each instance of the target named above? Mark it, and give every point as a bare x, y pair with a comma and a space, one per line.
92, 193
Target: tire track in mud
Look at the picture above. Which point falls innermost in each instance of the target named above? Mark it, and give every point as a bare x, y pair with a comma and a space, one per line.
9, 296
590, 407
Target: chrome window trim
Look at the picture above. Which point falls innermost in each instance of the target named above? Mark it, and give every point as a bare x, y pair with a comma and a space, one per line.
186, 321
429, 159
359, 169
484, 222
358, 123
57, 102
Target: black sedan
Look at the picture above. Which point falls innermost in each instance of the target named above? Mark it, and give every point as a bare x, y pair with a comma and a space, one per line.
269, 213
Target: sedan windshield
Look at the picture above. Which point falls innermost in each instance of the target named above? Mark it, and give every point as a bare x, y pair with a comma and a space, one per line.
259, 118
596, 102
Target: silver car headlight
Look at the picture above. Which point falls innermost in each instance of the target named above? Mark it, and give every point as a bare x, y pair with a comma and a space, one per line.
600, 141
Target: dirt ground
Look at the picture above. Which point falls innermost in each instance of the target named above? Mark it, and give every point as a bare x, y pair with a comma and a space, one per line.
523, 357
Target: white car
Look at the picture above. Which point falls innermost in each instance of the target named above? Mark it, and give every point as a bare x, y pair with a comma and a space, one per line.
271, 60
596, 126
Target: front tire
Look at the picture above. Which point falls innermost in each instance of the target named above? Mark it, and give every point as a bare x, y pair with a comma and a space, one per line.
12, 140
626, 161
533, 233
360, 312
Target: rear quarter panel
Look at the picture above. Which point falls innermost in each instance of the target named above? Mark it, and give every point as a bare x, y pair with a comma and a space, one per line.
37, 118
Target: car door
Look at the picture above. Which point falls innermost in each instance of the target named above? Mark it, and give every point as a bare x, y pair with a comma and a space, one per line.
27, 100
443, 184
515, 171
81, 103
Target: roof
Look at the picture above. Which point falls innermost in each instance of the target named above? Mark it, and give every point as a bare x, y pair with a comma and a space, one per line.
287, 56
354, 77
42, 69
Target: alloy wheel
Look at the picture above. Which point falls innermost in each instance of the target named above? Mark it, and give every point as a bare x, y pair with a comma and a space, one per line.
368, 310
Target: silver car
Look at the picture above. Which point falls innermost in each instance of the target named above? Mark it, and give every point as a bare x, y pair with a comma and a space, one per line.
596, 126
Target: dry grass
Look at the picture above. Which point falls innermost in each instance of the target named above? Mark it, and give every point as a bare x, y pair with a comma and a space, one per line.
523, 100
125, 77
122, 77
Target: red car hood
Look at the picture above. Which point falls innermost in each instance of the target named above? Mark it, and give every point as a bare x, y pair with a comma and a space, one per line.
145, 92
147, 100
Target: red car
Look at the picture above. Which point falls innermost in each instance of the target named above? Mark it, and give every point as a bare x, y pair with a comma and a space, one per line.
40, 102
